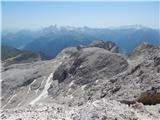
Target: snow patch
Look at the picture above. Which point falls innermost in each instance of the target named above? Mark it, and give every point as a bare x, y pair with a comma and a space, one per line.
113, 48
83, 87
36, 91
44, 93
110, 45
72, 83
12, 98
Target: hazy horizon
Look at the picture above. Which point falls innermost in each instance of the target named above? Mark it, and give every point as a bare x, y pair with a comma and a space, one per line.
58, 26
36, 15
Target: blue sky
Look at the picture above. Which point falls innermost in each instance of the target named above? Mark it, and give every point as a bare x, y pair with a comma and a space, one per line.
35, 15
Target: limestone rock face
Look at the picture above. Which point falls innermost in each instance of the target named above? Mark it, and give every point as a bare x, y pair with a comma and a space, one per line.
141, 81
78, 74
22, 83
90, 64
145, 50
85, 83
108, 45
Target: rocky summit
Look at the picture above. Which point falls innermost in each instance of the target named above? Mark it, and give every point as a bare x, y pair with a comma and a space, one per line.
93, 82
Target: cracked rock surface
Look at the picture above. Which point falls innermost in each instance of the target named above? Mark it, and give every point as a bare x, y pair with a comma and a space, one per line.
85, 83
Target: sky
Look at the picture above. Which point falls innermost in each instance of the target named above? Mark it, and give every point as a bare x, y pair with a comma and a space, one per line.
36, 15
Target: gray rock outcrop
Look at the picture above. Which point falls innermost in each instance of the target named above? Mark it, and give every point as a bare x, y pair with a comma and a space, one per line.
85, 83
108, 45
82, 70
141, 81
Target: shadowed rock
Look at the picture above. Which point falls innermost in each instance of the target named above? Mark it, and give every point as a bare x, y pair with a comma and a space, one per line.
91, 64
150, 97
108, 45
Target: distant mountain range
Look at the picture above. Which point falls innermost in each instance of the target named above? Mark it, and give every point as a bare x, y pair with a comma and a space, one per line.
51, 40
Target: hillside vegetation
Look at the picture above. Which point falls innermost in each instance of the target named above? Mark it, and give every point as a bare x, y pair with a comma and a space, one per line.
9, 52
